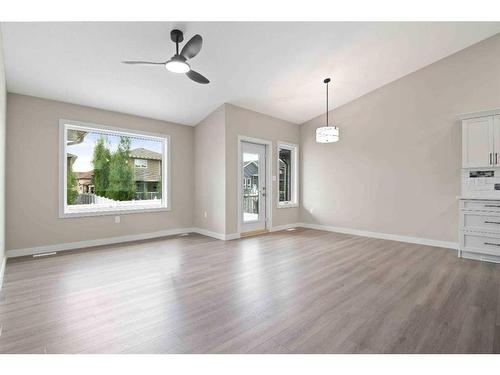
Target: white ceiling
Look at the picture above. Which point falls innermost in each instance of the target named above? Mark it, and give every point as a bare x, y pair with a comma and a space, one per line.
275, 68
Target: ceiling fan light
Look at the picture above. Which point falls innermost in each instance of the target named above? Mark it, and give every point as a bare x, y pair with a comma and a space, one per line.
176, 66
327, 134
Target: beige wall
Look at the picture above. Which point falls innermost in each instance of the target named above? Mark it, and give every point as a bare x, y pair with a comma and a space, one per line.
216, 165
3, 99
32, 155
202, 167
395, 170
210, 172
248, 123
396, 167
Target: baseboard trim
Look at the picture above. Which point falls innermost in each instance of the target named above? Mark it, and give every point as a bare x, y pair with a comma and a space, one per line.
115, 240
219, 236
232, 236
480, 257
384, 236
99, 242
208, 233
2, 270
286, 226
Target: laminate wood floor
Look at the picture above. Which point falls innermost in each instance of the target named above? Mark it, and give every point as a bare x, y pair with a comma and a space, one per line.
302, 291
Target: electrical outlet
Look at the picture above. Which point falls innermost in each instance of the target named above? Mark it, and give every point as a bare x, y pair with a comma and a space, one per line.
117, 219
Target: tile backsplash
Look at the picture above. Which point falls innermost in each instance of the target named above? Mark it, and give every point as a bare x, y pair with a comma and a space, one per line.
484, 182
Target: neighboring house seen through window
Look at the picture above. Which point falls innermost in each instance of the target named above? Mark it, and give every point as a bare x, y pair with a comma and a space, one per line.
106, 170
141, 163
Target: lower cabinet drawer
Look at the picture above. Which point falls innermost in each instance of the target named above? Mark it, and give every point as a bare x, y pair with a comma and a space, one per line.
481, 243
474, 221
493, 206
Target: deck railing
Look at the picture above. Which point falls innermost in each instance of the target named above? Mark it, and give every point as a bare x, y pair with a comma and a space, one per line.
251, 203
89, 198
140, 195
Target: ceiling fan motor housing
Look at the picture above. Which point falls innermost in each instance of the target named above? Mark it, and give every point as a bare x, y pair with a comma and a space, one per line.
177, 36
178, 57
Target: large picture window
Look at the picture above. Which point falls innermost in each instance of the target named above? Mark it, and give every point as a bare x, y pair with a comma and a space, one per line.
106, 170
288, 173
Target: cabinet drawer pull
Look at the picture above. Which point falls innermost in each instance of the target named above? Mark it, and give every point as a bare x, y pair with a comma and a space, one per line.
492, 222
492, 205
492, 244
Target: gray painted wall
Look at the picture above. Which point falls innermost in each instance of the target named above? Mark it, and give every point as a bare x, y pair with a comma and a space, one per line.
3, 98
216, 140
396, 168
210, 172
32, 176
240, 121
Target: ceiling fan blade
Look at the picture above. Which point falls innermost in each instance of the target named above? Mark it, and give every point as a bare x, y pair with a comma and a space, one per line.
143, 63
197, 77
192, 47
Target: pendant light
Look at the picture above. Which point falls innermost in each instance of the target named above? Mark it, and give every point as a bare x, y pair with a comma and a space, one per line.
327, 134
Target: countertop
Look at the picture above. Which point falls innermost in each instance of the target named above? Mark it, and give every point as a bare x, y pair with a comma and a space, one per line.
485, 198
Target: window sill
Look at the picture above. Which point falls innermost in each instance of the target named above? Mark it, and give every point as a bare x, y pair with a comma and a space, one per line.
288, 205
72, 213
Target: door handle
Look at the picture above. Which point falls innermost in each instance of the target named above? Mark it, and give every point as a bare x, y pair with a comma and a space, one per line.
496, 157
492, 222
491, 158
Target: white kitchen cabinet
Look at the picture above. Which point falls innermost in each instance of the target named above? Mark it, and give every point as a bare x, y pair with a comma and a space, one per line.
480, 229
496, 140
479, 137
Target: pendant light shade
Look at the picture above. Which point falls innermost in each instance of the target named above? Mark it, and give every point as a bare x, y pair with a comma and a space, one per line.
327, 134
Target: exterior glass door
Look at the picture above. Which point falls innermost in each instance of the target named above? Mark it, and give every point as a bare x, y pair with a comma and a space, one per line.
253, 185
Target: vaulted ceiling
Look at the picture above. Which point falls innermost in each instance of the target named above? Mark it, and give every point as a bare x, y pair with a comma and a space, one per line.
276, 68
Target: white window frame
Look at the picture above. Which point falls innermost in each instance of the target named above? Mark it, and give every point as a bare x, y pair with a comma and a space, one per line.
66, 211
294, 148
143, 165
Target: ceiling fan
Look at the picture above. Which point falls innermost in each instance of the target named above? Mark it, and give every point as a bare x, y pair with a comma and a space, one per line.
178, 62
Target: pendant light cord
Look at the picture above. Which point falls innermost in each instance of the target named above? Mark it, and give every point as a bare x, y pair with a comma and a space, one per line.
327, 81
327, 104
